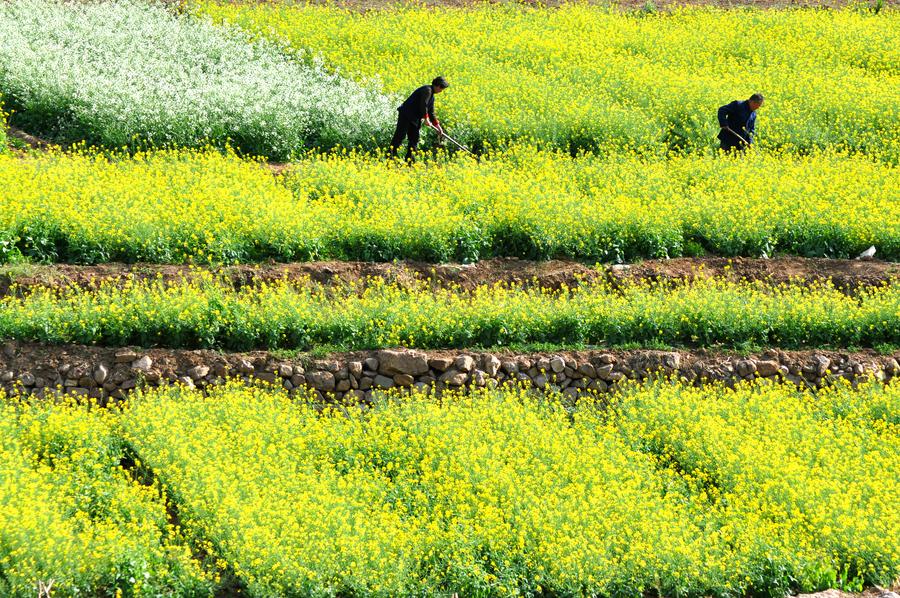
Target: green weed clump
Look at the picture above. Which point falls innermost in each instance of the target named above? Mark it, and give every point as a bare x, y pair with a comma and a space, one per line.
3, 139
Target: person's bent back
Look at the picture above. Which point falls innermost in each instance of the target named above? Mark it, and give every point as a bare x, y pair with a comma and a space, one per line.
419, 105
737, 123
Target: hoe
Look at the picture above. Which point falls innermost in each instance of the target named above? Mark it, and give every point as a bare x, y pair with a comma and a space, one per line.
452, 140
736, 134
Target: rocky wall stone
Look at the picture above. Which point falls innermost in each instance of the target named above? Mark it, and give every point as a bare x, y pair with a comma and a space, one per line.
105, 374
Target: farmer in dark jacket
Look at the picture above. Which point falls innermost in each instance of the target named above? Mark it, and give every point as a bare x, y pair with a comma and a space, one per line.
737, 122
417, 106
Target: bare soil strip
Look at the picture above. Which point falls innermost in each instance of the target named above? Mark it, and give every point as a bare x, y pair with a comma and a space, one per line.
555, 274
29, 140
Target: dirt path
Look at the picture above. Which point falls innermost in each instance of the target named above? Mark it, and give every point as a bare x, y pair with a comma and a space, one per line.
846, 274
29, 140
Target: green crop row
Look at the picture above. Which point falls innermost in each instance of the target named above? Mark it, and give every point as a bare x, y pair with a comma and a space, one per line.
184, 206
203, 312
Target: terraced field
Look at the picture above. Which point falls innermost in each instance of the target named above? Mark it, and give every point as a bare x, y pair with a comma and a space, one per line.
480, 495
208, 208
583, 77
243, 353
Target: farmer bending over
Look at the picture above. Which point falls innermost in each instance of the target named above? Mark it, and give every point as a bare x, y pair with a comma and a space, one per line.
419, 105
737, 122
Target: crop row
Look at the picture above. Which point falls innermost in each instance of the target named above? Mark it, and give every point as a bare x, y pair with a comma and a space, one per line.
181, 206
132, 74
801, 464
72, 520
587, 77
125, 74
205, 313
678, 490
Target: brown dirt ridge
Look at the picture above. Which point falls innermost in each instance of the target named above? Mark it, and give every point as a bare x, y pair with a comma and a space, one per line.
554, 274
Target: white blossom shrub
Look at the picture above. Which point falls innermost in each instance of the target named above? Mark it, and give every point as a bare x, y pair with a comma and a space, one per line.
123, 74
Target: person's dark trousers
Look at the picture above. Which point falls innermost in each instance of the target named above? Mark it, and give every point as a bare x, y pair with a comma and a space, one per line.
410, 130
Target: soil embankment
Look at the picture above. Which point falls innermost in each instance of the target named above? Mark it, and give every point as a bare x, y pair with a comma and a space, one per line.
554, 274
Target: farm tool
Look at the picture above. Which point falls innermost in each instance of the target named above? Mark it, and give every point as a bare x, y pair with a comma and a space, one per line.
736, 134
451, 139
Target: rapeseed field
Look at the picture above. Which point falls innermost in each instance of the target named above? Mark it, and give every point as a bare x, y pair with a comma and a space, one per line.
204, 207
72, 519
209, 133
589, 77
668, 488
205, 312
660, 487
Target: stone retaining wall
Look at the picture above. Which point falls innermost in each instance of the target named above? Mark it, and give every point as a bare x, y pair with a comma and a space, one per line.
103, 373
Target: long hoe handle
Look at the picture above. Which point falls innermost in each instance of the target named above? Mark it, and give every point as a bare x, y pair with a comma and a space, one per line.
453, 141
735, 133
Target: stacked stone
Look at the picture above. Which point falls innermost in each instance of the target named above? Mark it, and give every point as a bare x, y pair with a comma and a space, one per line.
358, 376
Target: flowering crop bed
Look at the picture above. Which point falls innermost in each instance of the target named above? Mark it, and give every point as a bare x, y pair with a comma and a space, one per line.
771, 491
768, 490
801, 462
205, 312
130, 74
73, 519
595, 131
590, 77
185, 206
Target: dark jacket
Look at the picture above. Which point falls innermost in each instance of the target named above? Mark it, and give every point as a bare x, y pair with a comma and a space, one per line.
418, 104
738, 116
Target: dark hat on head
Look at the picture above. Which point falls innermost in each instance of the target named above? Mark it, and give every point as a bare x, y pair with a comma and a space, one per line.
440, 82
